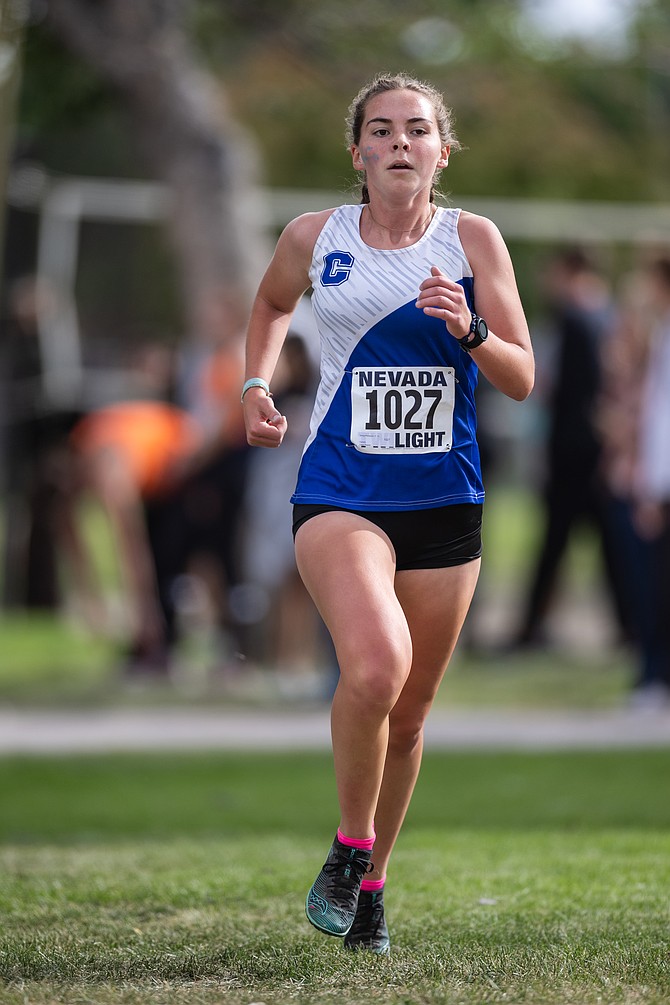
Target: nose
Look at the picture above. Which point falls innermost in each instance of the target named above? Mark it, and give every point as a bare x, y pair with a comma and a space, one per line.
401, 142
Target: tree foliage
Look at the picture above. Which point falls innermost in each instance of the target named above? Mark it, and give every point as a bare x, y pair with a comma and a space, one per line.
535, 122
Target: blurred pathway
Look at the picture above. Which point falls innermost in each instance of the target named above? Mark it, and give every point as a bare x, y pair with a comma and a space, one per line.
100, 730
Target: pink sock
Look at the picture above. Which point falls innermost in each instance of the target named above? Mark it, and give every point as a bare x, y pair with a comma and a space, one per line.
373, 884
364, 844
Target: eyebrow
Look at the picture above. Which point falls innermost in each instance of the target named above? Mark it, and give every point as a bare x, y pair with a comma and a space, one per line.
416, 118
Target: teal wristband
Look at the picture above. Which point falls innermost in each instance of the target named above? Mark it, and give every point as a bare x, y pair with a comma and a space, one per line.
256, 382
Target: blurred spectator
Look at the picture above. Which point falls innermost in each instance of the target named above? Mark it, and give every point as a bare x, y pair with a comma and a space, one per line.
210, 376
650, 483
294, 642
130, 457
172, 488
575, 492
31, 430
624, 368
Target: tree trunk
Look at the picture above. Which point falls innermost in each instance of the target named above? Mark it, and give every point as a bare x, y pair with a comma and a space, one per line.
189, 138
12, 20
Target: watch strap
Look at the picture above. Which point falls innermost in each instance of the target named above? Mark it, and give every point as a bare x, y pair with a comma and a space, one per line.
474, 338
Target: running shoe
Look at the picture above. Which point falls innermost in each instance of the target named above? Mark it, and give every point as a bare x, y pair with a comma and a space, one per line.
369, 929
331, 902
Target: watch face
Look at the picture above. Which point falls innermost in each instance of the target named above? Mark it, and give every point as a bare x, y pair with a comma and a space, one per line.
478, 333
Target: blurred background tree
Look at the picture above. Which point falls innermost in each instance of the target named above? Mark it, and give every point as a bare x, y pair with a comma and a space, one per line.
186, 90
572, 116
12, 20
568, 116
181, 124
212, 96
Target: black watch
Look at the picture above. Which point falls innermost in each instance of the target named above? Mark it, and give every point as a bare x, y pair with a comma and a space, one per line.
479, 332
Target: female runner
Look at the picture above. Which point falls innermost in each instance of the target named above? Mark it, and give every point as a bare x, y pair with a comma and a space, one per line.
412, 301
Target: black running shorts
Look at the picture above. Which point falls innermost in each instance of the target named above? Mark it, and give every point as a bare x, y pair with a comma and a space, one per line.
422, 538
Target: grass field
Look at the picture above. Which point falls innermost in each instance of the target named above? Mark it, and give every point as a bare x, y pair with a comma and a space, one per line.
163, 879
537, 878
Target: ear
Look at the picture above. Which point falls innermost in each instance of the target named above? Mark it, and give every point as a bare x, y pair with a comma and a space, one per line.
444, 157
356, 158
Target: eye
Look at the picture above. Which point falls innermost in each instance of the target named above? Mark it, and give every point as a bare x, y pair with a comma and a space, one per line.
382, 131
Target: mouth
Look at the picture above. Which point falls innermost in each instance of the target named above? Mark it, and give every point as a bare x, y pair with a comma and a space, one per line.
400, 166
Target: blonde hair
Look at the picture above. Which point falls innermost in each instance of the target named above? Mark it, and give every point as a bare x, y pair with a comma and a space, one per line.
399, 82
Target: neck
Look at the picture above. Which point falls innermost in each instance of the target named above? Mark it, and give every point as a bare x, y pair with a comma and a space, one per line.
402, 230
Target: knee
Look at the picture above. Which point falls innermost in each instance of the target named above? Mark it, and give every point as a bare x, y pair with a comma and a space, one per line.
377, 678
406, 732
378, 687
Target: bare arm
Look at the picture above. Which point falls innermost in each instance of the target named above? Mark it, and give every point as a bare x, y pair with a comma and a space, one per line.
285, 281
506, 358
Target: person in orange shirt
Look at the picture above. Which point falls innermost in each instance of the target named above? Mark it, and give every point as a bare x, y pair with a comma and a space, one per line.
171, 479
135, 458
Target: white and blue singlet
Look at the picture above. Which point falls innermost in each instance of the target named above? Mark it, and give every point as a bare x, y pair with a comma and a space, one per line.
394, 421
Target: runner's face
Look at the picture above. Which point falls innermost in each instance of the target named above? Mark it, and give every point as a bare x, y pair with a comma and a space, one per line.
400, 147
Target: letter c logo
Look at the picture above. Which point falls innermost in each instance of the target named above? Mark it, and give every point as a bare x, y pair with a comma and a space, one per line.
337, 267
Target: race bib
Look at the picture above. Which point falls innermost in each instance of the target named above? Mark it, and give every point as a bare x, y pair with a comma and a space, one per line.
408, 410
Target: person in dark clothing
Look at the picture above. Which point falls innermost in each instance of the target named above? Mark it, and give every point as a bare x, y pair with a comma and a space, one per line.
575, 492
32, 429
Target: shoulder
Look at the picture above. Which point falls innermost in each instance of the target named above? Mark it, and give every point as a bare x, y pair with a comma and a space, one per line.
287, 275
293, 253
301, 234
482, 243
478, 232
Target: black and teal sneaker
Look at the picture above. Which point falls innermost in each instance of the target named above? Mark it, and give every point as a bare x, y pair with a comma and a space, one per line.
369, 931
331, 902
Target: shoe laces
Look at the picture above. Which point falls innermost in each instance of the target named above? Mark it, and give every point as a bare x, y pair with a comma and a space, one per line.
346, 871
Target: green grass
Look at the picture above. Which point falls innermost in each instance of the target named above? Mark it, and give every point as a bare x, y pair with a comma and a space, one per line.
147, 880
166, 879
539, 680
48, 659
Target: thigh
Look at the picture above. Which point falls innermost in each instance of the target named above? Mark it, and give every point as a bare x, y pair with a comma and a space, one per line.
435, 603
348, 566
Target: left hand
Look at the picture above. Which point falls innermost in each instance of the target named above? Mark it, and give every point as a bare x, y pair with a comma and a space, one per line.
441, 298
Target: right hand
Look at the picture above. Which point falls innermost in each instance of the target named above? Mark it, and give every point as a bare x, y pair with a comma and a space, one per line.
265, 425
